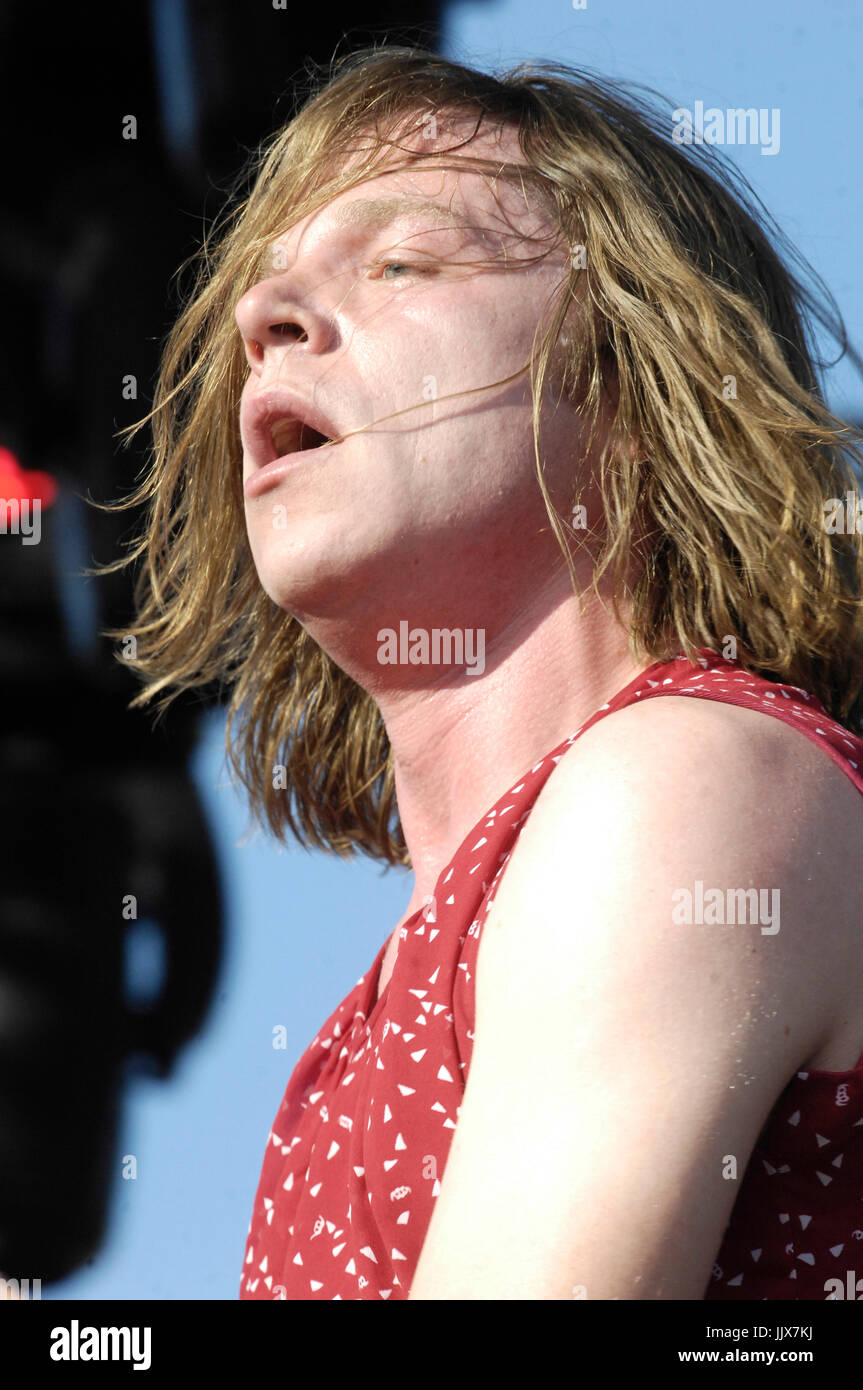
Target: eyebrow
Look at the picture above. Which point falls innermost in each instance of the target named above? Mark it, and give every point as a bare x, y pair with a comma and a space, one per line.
380, 212
372, 214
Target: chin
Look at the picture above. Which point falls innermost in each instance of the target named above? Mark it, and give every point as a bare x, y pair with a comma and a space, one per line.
303, 590
321, 566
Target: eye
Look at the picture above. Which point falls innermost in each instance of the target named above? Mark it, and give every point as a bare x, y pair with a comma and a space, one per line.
400, 269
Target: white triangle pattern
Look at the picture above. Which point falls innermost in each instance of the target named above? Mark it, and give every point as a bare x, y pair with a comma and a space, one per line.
342, 1206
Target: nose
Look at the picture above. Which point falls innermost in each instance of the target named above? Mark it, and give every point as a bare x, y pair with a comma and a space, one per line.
270, 319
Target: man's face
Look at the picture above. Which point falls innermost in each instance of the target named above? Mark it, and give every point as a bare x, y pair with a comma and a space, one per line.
378, 304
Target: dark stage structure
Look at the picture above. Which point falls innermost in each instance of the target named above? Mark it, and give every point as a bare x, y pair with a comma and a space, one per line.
102, 832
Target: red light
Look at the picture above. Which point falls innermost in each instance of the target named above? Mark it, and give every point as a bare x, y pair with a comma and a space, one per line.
24, 484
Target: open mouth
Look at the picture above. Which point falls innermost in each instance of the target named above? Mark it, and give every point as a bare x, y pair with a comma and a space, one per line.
293, 437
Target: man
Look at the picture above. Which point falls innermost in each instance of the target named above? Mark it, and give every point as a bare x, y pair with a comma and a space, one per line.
438, 606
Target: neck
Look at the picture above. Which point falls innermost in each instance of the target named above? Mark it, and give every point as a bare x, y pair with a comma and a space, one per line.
456, 750
459, 740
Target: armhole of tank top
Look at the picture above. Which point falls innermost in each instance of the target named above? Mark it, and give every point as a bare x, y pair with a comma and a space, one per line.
856, 1070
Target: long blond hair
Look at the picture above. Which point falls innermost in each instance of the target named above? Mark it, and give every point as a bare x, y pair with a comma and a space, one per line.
688, 296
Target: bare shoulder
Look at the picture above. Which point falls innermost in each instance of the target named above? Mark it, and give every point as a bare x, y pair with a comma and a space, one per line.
732, 770
710, 746
678, 799
671, 939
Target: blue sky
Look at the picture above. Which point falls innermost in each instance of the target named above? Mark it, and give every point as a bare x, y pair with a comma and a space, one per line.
302, 927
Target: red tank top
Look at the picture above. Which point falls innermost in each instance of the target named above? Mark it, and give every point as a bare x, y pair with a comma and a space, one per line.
356, 1154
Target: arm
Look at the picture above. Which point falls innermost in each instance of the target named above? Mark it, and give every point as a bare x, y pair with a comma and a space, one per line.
619, 1056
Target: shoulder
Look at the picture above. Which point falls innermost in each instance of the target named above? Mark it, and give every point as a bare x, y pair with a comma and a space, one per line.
705, 748
676, 792
625, 1052
722, 781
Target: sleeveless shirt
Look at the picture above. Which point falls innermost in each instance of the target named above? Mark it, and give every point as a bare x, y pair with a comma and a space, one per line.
358, 1148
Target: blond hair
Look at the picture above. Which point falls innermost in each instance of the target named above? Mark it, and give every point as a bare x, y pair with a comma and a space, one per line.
687, 296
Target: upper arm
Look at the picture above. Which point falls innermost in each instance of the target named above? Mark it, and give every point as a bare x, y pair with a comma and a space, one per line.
623, 1059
